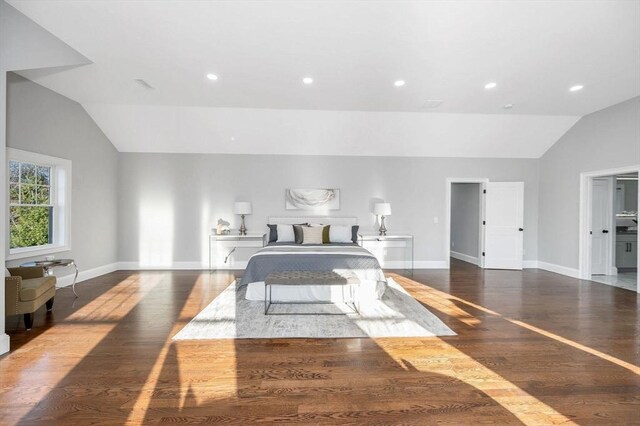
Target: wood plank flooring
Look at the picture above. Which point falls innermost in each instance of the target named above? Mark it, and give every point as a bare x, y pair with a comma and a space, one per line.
532, 348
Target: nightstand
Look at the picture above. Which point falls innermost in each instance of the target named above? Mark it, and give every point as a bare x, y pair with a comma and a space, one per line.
392, 251
233, 251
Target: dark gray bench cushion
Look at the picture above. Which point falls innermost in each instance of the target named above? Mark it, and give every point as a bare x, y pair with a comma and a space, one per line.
311, 278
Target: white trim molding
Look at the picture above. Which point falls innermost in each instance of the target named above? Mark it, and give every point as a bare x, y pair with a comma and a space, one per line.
558, 269
192, 265
447, 217
60, 201
67, 280
586, 194
465, 257
198, 266
4, 343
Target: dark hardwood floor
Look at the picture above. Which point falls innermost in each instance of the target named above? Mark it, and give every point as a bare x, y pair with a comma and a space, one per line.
532, 348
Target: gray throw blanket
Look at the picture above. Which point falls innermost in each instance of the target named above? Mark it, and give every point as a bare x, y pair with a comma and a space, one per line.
296, 257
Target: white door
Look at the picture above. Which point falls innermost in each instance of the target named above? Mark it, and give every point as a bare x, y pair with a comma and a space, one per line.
504, 225
600, 223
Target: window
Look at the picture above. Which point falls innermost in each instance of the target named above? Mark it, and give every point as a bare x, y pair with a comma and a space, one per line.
39, 200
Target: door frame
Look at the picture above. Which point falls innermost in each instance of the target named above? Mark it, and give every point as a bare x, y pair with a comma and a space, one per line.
447, 240
609, 264
586, 195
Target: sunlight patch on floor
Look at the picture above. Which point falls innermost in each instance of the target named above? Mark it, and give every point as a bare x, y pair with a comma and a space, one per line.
106, 310
444, 299
146, 394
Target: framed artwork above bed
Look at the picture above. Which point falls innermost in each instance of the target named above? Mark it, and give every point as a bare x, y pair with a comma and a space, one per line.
325, 220
312, 199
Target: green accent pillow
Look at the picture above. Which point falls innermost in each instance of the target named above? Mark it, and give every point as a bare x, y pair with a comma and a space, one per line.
325, 235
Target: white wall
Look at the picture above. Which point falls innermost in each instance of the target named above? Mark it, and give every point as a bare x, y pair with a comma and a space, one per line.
603, 140
169, 202
465, 219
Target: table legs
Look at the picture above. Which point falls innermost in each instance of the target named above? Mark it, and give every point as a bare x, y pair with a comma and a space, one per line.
75, 278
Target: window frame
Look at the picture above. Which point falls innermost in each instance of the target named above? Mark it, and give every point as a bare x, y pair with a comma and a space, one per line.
60, 198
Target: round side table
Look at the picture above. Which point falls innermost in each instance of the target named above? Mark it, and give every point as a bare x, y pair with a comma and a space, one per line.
49, 265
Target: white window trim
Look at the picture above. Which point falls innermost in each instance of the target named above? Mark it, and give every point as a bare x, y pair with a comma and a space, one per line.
61, 191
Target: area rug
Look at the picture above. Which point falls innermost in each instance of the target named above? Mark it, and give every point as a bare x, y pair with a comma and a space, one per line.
231, 316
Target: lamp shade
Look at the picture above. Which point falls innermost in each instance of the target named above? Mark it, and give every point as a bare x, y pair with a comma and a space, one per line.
242, 207
382, 209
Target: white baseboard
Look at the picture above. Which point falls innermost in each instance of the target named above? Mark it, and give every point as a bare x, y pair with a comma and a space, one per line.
465, 257
83, 275
197, 266
562, 270
530, 264
418, 264
4, 343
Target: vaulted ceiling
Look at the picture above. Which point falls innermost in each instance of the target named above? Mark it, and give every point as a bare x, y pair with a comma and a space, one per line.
354, 51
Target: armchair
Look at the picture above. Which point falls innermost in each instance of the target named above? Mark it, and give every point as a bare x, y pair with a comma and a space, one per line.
26, 290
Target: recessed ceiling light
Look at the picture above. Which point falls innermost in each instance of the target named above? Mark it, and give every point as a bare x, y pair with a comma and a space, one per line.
212, 76
576, 88
491, 85
399, 83
307, 80
508, 106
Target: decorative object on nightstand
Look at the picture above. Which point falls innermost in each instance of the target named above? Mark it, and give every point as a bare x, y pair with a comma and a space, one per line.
222, 228
382, 210
242, 208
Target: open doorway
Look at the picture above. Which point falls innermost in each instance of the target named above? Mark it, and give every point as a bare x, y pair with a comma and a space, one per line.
492, 222
609, 228
614, 259
466, 222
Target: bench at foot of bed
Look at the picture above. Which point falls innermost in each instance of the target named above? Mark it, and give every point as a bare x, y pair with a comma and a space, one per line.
311, 278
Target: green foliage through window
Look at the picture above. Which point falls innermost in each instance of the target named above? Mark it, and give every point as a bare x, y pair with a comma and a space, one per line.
30, 207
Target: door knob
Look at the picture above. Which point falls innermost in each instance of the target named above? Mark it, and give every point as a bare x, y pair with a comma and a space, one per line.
605, 231
520, 229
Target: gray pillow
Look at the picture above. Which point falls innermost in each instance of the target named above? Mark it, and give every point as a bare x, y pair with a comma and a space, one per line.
354, 233
298, 234
273, 232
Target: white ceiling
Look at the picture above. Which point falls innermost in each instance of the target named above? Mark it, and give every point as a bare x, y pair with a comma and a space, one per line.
144, 128
354, 50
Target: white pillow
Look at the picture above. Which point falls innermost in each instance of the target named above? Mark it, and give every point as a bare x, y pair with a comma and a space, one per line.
340, 234
285, 234
312, 234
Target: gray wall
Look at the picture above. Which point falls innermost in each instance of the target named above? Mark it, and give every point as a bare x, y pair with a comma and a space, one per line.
606, 139
465, 218
40, 120
23, 45
168, 202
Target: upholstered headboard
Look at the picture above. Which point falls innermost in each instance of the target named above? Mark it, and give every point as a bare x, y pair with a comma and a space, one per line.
325, 220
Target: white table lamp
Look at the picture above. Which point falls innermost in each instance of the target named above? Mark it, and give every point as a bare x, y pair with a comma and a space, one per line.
242, 208
382, 210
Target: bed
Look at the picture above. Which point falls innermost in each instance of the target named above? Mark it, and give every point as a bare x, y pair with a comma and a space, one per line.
341, 257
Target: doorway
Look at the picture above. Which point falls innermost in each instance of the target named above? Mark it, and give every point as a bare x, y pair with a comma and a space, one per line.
499, 222
466, 222
609, 228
